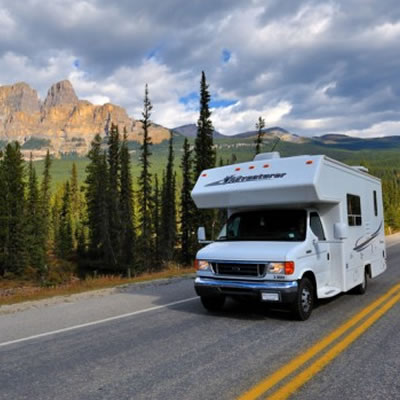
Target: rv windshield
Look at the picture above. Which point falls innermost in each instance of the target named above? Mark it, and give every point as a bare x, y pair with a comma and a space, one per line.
271, 225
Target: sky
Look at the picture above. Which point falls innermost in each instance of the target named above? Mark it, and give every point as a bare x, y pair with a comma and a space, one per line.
311, 67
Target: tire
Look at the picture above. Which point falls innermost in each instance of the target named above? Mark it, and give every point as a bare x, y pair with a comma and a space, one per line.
304, 303
213, 303
362, 287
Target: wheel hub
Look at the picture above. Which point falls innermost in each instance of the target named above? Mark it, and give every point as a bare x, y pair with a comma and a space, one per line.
306, 299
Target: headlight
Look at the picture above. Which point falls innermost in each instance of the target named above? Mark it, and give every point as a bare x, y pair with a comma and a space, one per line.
202, 265
282, 268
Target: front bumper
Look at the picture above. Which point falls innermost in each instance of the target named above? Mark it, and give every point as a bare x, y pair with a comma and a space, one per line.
287, 291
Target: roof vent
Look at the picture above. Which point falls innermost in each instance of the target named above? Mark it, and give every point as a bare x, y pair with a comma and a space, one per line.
267, 156
360, 168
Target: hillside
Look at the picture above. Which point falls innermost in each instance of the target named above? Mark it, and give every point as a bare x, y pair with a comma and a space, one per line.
190, 130
232, 150
325, 143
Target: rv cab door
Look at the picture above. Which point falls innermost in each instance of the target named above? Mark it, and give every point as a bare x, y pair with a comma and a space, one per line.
321, 250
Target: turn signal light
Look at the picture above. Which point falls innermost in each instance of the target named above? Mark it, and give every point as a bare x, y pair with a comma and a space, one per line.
196, 264
289, 267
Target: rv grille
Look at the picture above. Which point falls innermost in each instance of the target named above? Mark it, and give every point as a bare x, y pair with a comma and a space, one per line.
257, 270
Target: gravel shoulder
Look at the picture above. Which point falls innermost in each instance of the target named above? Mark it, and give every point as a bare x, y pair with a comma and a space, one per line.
92, 294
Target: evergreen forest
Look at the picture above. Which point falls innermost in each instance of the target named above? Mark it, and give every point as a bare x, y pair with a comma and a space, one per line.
113, 222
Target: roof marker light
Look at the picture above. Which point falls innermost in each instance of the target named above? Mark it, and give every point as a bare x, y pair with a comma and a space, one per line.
309, 162
237, 169
251, 167
204, 175
266, 166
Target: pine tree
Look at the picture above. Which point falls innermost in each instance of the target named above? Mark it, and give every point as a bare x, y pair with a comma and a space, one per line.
187, 210
107, 256
145, 245
13, 249
391, 200
75, 193
204, 153
64, 243
113, 192
92, 188
260, 125
157, 222
81, 242
55, 212
168, 207
36, 243
128, 234
96, 192
45, 197
203, 149
77, 213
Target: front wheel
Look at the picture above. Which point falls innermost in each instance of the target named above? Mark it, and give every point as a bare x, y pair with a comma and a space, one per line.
213, 303
304, 303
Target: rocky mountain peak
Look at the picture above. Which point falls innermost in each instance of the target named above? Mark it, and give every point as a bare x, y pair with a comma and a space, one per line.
65, 123
19, 97
59, 94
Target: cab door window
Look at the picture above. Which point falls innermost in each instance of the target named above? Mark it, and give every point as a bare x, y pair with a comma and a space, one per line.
316, 226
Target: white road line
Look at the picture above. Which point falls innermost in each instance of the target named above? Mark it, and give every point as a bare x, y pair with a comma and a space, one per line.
101, 321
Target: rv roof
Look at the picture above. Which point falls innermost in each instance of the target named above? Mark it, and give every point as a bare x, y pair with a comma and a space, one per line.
277, 181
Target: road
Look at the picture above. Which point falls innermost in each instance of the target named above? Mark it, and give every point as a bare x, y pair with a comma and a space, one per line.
157, 342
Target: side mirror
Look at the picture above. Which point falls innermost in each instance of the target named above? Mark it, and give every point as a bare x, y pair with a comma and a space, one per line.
340, 231
201, 234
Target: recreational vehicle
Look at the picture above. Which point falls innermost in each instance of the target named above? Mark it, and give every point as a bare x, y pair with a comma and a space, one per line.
299, 229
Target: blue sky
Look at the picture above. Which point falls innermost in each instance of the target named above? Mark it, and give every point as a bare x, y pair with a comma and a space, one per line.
311, 67
192, 100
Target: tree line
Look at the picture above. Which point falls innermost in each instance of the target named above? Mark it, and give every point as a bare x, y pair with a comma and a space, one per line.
104, 225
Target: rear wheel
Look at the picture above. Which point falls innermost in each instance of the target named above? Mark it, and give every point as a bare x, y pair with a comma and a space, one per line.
213, 303
304, 303
362, 287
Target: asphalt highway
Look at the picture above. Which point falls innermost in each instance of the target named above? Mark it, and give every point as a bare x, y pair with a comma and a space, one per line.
156, 341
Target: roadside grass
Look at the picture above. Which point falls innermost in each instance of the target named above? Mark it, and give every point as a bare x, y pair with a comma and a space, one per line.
12, 292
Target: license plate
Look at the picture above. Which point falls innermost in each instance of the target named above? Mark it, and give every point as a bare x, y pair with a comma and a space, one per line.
270, 296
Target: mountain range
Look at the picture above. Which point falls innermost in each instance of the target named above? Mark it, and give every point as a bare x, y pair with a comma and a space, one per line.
64, 124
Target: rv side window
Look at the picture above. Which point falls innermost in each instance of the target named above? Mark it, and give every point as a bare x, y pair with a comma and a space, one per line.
316, 226
354, 210
375, 204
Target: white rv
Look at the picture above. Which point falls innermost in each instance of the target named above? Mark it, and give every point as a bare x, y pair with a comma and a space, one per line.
299, 229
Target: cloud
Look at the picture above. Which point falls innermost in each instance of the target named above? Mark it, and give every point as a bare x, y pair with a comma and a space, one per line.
385, 128
238, 118
313, 66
